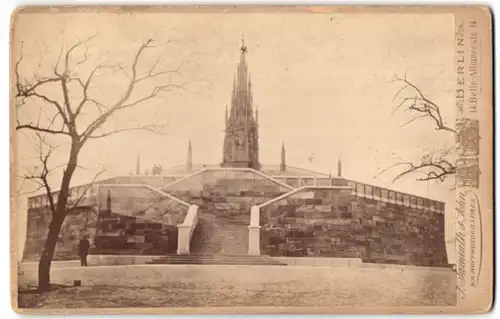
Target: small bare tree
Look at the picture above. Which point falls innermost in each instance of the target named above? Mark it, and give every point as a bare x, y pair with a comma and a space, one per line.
79, 115
436, 164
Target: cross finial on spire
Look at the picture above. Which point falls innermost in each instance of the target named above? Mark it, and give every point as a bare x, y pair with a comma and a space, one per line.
244, 49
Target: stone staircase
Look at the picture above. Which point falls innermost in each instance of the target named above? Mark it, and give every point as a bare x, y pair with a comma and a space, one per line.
219, 238
224, 199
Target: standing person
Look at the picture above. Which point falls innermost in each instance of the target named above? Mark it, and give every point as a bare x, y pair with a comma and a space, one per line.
83, 250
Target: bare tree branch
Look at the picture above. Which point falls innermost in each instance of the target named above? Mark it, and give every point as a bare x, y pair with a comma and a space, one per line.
122, 102
58, 61
62, 82
154, 93
26, 91
84, 193
71, 49
152, 73
85, 87
40, 129
41, 178
432, 166
65, 78
149, 128
413, 119
420, 104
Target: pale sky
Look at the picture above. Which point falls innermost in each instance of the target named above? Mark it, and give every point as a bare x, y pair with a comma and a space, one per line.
321, 82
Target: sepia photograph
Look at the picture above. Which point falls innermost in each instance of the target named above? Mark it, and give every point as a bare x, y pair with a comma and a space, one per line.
232, 158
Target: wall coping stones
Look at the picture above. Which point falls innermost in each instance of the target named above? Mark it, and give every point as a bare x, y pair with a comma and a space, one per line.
395, 202
300, 189
159, 192
221, 169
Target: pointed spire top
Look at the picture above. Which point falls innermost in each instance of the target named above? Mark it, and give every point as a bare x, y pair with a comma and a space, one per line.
243, 48
339, 168
283, 158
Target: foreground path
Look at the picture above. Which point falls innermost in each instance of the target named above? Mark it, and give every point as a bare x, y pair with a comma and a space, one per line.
219, 285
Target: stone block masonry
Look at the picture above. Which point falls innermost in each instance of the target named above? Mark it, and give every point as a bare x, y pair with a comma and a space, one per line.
336, 223
81, 220
356, 222
137, 220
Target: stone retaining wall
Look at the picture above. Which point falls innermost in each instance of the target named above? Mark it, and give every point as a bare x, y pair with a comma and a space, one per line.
137, 219
81, 220
336, 223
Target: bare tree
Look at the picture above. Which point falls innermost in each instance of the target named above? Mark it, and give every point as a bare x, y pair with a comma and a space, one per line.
432, 166
436, 164
78, 115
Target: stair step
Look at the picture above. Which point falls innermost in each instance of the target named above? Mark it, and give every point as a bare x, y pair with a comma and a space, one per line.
215, 259
219, 236
209, 259
216, 263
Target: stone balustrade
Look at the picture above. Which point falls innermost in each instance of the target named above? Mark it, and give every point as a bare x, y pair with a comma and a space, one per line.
186, 229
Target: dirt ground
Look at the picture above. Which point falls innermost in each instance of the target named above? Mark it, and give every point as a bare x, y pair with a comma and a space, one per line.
218, 286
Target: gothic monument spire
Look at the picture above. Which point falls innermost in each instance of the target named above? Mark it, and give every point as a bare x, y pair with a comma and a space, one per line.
241, 148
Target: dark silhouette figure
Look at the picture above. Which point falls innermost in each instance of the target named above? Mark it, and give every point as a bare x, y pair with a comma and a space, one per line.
83, 250
157, 169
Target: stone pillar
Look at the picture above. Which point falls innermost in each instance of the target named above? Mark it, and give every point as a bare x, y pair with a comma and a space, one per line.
183, 239
254, 240
254, 231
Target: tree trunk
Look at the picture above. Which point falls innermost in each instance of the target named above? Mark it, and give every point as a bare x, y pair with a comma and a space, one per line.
57, 220
48, 254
